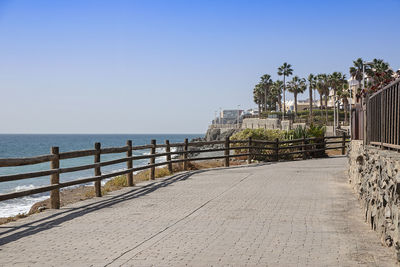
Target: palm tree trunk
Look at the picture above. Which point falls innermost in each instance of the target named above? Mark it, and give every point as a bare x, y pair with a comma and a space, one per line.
265, 99
259, 109
295, 103
334, 111
320, 101
284, 91
320, 104
280, 102
311, 102
326, 108
345, 104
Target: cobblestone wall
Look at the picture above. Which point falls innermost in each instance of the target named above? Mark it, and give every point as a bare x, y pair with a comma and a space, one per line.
375, 177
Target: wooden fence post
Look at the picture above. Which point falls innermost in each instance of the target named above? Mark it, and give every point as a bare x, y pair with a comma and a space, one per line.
250, 151
227, 152
153, 159
277, 149
344, 144
97, 171
55, 179
185, 155
129, 163
304, 147
168, 150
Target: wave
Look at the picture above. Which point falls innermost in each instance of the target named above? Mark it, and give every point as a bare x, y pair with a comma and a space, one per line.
13, 207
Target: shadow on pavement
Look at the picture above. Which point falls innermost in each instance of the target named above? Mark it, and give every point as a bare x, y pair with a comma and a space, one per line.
14, 233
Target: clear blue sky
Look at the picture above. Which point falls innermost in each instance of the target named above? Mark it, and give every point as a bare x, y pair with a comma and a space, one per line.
166, 66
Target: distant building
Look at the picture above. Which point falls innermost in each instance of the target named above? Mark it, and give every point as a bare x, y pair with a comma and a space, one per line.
229, 116
301, 105
251, 111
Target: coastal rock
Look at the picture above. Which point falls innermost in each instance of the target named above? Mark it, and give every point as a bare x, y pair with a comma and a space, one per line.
216, 134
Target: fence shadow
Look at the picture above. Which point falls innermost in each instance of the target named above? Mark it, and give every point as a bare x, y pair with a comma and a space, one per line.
10, 234
66, 214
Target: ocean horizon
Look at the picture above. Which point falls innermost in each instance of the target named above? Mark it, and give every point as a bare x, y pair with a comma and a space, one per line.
29, 145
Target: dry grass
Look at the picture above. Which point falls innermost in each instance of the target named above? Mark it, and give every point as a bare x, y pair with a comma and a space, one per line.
334, 152
119, 182
13, 218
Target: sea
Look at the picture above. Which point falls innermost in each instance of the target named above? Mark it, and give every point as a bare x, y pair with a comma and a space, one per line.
28, 145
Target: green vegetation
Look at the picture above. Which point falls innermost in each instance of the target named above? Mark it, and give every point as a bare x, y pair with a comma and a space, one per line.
267, 94
285, 70
259, 134
271, 135
297, 86
378, 74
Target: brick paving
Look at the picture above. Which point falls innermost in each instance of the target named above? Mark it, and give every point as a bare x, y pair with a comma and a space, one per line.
299, 213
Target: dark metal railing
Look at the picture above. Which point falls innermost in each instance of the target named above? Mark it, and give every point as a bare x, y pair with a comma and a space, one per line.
383, 117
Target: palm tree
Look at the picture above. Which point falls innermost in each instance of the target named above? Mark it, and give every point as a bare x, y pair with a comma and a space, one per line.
356, 71
380, 74
285, 70
266, 83
278, 87
344, 94
323, 90
311, 86
320, 89
258, 96
297, 86
336, 81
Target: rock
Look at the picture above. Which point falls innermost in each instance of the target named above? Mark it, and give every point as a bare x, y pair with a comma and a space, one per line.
388, 241
374, 176
219, 134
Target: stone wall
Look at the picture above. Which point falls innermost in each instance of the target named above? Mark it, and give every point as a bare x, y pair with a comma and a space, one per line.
375, 177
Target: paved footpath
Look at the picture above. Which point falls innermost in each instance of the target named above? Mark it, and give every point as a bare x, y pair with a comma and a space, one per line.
299, 213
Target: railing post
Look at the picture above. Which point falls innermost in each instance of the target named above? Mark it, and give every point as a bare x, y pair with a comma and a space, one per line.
277, 149
168, 150
250, 151
55, 179
227, 152
304, 147
153, 159
129, 163
97, 171
344, 144
185, 155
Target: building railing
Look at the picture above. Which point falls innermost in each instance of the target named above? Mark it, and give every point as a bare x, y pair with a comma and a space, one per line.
225, 126
250, 149
383, 117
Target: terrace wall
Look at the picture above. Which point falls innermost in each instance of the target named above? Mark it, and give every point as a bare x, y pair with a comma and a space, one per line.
375, 177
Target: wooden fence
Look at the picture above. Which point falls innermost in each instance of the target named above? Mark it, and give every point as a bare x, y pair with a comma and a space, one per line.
262, 150
383, 117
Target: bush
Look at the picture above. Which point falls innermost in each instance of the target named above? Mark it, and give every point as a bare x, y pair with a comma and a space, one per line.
259, 134
271, 135
316, 131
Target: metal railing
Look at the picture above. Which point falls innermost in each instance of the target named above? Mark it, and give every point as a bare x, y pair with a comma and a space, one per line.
383, 117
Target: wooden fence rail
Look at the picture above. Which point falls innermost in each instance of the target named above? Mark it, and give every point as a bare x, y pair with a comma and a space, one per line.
247, 149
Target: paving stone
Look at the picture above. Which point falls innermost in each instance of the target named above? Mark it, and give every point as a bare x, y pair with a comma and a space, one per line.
300, 213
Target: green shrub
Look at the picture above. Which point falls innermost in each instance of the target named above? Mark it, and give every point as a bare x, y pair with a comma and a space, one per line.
316, 131
259, 134
297, 133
